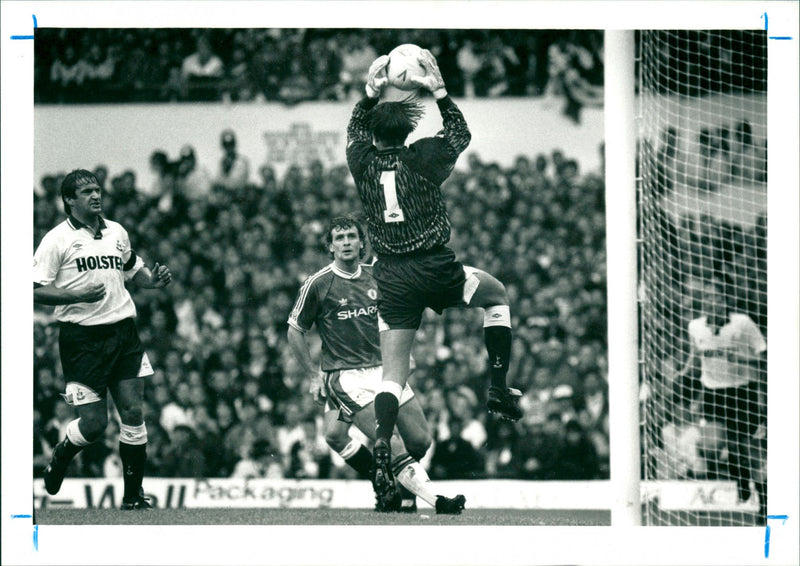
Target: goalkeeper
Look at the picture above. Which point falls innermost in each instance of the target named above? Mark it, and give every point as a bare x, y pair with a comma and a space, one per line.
399, 188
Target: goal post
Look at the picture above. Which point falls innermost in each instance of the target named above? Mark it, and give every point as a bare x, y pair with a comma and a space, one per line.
702, 203
620, 151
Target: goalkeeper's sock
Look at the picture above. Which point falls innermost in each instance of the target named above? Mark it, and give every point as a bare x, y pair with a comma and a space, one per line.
358, 457
387, 405
497, 336
414, 478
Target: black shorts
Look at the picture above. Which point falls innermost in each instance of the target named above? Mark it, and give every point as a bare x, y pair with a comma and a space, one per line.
737, 408
410, 283
96, 356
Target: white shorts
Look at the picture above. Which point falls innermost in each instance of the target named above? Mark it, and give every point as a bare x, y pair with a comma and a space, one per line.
350, 390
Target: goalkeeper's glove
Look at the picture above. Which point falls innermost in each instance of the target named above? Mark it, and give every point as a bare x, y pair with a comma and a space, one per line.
377, 78
432, 80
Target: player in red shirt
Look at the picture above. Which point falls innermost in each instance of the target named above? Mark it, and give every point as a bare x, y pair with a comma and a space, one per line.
341, 300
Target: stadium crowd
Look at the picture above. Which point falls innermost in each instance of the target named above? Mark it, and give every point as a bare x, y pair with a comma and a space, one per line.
226, 399
296, 65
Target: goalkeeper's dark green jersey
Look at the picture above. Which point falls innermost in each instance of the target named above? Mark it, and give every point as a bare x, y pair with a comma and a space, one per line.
400, 187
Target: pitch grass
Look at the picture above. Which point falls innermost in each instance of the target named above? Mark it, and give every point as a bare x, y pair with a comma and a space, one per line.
425, 516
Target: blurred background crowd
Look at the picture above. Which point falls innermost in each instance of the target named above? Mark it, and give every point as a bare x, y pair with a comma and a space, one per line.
297, 65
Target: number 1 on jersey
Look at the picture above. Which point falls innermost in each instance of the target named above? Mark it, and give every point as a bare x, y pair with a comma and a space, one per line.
393, 212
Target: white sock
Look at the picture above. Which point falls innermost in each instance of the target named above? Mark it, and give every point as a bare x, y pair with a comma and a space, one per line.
74, 434
387, 386
415, 479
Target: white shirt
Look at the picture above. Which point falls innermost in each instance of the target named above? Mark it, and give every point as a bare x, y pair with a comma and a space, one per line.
740, 336
70, 257
193, 67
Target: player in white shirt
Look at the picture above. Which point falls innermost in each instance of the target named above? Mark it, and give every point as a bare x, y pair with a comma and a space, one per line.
341, 300
732, 352
81, 267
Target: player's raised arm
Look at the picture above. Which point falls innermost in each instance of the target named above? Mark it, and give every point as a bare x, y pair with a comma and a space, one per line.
454, 126
357, 131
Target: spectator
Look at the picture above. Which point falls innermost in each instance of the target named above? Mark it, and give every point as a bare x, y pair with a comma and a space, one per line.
97, 71
239, 84
357, 56
538, 445
183, 458
296, 86
260, 462
745, 161
265, 67
469, 63
455, 458
201, 71
192, 180
290, 432
66, 75
577, 457
463, 405
179, 411
234, 168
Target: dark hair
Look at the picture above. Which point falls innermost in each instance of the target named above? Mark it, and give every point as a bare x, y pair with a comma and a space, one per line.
72, 181
391, 122
343, 223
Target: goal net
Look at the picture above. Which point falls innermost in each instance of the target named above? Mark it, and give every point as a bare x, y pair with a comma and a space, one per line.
701, 179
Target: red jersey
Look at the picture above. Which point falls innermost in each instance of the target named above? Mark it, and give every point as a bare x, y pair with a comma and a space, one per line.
344, 307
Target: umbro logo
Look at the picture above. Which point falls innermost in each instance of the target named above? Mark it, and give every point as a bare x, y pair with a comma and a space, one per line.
77, 245
496, 315
393, 215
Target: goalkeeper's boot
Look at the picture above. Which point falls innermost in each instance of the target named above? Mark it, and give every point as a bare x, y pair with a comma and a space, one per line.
505, 402
55, 470
408, 501
448, 506
136, 503
387, 495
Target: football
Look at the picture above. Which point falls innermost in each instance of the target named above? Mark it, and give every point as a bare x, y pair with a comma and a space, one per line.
404, 64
